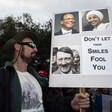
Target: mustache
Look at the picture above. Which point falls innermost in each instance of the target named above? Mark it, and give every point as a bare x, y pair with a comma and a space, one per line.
34, 53
64, 65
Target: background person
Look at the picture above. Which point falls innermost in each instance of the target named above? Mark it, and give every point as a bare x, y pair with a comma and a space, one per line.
67, 23
54, 59
65, 61
22, 89
95, 18
98, 99
76, 61
43, 73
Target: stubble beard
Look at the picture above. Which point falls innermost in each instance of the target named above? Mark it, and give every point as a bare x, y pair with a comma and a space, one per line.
27, 59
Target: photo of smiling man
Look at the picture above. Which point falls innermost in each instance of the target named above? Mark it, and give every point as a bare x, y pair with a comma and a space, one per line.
66, 24
65, 61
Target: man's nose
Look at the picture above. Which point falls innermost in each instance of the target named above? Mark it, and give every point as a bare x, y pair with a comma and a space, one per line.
63, 61
35, 49
92, 19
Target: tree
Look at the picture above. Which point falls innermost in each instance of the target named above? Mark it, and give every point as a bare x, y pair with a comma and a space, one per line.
10, 25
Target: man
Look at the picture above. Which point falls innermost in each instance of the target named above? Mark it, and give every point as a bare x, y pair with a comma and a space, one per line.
65, 61
67, 23
22, 89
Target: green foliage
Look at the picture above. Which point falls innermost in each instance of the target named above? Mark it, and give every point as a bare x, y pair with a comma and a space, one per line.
10, 25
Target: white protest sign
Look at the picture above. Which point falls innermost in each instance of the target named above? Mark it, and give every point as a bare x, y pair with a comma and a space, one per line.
93, 51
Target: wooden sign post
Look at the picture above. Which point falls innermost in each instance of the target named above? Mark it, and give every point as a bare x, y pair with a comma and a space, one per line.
82, 90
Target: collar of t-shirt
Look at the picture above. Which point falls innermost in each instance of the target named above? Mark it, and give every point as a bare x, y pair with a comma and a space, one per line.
64, 32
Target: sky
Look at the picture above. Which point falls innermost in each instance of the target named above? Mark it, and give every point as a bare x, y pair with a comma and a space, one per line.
43, 10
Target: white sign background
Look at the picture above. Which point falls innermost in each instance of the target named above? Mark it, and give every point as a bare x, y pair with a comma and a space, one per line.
97, 55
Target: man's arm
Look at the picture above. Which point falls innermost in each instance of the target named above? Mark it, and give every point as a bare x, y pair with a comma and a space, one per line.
55, 102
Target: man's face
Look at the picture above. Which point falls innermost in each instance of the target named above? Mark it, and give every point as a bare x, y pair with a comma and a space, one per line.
76, 59
68, 21
53, 59
64, 62
27, 53
94, 20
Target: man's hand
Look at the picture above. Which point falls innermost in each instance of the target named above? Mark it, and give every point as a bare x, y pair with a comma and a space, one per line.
80, 101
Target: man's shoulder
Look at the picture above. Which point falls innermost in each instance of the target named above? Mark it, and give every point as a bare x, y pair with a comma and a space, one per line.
6, 69
57, 72
75, 31
6, 74
58, 33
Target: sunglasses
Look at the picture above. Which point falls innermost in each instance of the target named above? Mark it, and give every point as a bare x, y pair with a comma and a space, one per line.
30, 44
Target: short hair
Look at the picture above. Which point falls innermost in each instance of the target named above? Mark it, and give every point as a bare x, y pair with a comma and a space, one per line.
62, 17
55, 49
66, 50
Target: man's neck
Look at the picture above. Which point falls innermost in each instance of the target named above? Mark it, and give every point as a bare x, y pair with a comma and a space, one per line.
66, 29
66, 32
20, 66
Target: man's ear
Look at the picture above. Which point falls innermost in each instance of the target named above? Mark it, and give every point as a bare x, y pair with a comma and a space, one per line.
61, 22
17, 46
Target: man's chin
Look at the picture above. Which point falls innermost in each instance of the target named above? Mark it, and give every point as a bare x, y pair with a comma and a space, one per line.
31, 59
65, 71
33, 54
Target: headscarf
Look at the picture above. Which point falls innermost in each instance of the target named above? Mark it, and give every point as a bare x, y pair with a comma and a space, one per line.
95, 12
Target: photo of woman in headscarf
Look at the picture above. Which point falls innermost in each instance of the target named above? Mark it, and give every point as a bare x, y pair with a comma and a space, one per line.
95, 21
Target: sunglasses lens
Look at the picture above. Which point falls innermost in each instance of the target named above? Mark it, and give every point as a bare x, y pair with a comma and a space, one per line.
30, 44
